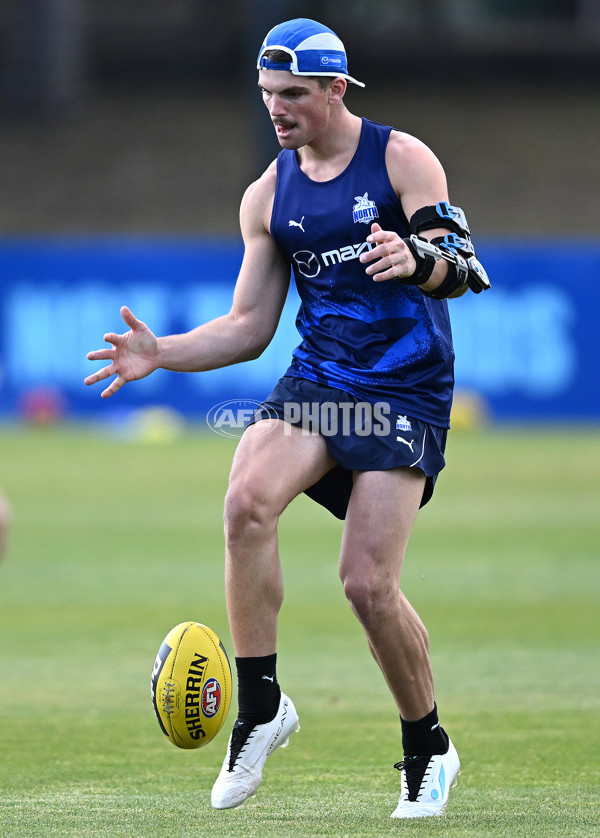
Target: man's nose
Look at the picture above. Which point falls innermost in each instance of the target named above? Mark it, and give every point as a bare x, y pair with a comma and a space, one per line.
276, 106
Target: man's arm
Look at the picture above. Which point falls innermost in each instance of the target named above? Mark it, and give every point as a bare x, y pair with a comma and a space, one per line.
240, 335
260, 292
419, 180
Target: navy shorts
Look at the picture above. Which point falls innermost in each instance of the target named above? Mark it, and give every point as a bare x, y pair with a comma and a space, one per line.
360, 436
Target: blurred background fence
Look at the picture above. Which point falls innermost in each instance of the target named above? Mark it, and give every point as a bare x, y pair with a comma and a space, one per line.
129, 131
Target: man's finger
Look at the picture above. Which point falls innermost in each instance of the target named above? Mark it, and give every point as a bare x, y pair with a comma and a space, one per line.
378, 252
377, 234
112, 337
130, 318
382, 276
112, 388
100, 355
100, 375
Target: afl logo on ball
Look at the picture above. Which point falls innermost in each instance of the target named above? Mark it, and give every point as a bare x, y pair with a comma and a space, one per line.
211, 698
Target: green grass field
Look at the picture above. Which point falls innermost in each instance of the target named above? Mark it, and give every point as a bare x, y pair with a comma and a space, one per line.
116, 541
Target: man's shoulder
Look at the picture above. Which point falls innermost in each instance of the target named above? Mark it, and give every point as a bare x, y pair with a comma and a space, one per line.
411, 164
407, 148
257, 202
263, 189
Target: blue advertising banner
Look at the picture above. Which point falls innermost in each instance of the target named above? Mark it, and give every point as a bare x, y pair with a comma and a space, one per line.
529, 347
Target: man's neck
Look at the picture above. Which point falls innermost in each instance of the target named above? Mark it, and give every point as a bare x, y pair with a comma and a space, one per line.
330, 154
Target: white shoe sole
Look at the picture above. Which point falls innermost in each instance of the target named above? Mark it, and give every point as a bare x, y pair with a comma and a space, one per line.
435, 806
232, 788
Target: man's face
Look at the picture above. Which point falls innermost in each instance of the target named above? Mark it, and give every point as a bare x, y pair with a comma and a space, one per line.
298, 106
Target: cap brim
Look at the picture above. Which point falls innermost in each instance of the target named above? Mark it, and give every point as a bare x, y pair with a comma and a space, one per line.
293, 68
329, 75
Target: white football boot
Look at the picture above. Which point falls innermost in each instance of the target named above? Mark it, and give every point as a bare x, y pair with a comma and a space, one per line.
426, 783
247, 753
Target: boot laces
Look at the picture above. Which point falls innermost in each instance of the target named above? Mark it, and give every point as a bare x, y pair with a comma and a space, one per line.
241, 734
416, 770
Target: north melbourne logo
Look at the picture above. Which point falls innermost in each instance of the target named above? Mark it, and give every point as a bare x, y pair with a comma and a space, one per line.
403, 423
364, 211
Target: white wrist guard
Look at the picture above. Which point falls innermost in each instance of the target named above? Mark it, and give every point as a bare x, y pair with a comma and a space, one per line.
456, 248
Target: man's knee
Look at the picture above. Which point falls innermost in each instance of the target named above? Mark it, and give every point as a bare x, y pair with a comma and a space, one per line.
370, 594
248, 509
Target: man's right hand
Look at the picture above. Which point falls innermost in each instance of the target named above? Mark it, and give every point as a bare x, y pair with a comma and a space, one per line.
133, 355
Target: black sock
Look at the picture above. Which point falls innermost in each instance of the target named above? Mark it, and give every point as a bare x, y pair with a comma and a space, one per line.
424, 736
258, 690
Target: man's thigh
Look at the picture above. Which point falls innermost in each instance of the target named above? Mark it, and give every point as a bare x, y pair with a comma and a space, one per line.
381, 514
276, 461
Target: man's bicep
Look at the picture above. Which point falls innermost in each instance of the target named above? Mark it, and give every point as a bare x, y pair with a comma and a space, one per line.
416, 174
262, 285
264, 276
427, 185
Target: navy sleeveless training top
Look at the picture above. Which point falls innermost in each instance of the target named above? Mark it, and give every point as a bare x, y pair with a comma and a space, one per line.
380, 341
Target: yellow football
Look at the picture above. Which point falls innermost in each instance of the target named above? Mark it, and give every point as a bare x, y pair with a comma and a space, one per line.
191, 685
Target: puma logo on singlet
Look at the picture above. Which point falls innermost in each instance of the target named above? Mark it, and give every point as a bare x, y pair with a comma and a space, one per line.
297, 224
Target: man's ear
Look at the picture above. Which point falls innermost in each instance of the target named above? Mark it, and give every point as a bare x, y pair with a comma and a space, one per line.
337, 89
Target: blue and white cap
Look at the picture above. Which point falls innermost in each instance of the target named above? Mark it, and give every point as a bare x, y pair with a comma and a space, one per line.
314, 50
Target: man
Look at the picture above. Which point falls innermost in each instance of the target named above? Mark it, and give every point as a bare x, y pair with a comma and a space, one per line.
359, 420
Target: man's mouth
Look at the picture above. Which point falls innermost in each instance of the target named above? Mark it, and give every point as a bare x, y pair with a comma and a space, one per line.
283, 128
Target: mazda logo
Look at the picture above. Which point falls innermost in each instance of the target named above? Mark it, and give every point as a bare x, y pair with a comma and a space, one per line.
307, 263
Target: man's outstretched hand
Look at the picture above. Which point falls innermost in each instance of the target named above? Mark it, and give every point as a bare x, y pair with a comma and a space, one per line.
133, 355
